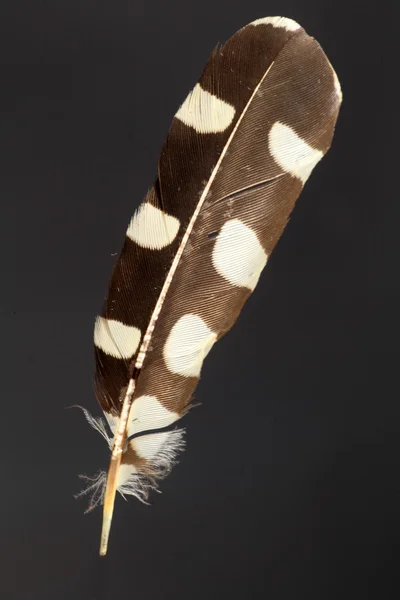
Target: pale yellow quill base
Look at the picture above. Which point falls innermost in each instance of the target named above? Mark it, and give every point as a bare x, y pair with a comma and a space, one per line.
112, 477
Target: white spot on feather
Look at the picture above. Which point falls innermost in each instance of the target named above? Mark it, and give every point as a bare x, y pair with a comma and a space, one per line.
112, 421
205, 112
131, 482
291, 152
338, 88
152, 228
124, 473
148, 446
115, 338
148, 413
188, 343
283, 22
159, 449
238, 255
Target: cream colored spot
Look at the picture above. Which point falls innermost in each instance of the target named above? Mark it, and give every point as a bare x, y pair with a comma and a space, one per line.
148, 413
238, 255
188, 343
291, 152
115, 338
287, 24
148, 446
205, 112
338, 88
152, 228
112, 421
124, 473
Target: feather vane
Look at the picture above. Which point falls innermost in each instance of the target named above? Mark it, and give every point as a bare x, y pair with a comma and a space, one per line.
237, 155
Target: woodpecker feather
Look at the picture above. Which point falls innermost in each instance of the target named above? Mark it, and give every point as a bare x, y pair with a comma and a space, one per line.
237, 155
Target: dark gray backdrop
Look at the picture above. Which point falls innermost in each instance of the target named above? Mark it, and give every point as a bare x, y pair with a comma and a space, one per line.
287, 491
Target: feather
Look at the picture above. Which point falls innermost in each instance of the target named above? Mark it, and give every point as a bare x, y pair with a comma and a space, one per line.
237, 155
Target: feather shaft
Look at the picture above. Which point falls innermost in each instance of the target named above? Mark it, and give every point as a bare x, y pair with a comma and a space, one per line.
178, 255
112, 477
127, 403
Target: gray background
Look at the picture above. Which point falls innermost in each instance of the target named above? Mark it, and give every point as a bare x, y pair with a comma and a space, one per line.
287, 491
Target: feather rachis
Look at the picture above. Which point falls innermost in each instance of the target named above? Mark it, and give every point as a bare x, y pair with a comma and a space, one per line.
258, 121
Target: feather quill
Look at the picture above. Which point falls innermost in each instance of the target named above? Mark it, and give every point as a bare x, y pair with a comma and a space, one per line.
237, 155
